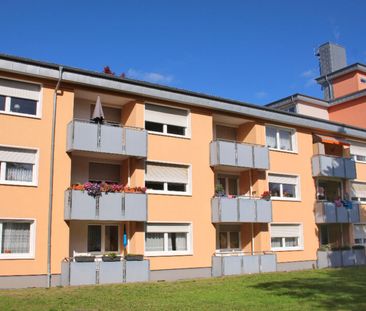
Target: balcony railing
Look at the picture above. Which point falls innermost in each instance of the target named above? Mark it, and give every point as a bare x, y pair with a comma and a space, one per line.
239, 155
341, 258
237, 264
107, 207
329, 166
328, 212
86, 136
100, 272
240, 210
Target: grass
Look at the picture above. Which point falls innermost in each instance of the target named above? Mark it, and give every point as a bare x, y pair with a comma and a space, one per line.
336, 289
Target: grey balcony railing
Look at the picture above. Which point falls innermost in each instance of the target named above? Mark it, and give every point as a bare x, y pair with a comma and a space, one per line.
236, 264
329, 166
240, 210
240, 155
341, 258
100, 272
328, 212
107, 207
87, 136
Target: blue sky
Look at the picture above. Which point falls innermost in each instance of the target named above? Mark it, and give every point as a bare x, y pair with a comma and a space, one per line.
254, 51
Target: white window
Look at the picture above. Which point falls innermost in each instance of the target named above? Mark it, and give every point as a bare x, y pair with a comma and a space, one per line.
16, 239
18, 166
167, 178
289, 108
19, 98
228, 238
358, 151
286, 237
359, 233
103, 238
168, 239
358, 191
280, 138
166, 120
283, 186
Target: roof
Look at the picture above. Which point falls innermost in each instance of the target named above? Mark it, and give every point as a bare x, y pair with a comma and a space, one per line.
297, 96
341, 72
152, 91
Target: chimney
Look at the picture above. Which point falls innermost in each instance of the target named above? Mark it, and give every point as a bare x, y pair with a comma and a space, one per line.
331, 58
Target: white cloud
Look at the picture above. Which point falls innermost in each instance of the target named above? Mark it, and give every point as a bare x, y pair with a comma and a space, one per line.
261, 94
309, 76
153, 77
309, 73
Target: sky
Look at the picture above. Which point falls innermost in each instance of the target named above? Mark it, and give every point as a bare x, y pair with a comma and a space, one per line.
253, 51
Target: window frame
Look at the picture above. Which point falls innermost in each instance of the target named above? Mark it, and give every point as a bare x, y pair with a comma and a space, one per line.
188, 191
278, 128
297, 188
166, 252
34, 182
284, 248
7, 110
32, 239
102, 241
165, 125
227, 176
227, 250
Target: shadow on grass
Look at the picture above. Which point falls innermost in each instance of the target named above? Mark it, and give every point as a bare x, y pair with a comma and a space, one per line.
332, 289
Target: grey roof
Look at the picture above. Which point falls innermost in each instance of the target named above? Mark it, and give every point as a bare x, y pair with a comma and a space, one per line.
342, 71
296, 97
75, 76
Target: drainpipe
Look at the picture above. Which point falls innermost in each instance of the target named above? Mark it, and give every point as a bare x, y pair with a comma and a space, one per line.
50, 197
330, 88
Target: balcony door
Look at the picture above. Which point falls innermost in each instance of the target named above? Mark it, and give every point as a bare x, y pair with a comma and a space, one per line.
228, 238
229, 184
225, 132
329, 190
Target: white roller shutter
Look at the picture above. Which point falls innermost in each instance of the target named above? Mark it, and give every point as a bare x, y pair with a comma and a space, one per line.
282, 179
156, 228
162, 172
285, 231
358, 190
17, 155
19, 89
358, 149
359, 231
166, 115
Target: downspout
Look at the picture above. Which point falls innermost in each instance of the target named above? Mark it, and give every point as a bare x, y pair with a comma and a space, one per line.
52, 159
330, 88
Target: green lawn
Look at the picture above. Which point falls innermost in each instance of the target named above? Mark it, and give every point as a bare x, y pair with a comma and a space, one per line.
336, 289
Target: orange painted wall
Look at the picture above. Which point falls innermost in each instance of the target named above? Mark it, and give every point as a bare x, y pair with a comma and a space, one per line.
352, 112
347, 84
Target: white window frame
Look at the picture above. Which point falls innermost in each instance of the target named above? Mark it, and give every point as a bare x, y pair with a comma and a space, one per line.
354, 235
297, 187
165, 133
7, 111
188, 191
350, 182
226, 176
34, 182
166, 252
287, 248
293, 138
102, 243
32, 239
288, 107
226, 250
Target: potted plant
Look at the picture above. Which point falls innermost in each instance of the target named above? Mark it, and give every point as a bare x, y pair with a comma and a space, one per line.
111, 257
134, 257
84, 258
266, 195
219, 190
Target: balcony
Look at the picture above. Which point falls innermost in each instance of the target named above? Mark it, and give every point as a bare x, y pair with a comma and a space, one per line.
79, 205
238, 155
240, 210
99, 272
341, 258
236, 264
330, 166
85, 136
327, 212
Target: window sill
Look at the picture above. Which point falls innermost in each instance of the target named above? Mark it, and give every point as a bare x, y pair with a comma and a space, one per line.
25, 115
287, 249
15, 256
169, 135
285, 151
175, 193
285, 199
18, 183
167, 254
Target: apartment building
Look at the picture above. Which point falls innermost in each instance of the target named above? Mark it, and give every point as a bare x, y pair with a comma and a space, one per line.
96, 170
